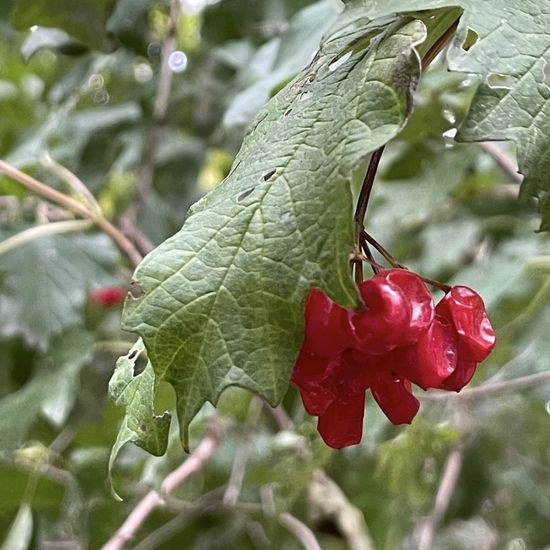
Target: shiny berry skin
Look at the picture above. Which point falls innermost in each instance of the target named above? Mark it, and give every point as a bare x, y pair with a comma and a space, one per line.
464, 309
328, 329
399, 308
341, 425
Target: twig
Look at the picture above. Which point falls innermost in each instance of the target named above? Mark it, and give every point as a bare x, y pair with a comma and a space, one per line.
242, 454
281, 417
44, 230
72, 180
488, 389
451, 471
154, 498
300, 530
74, 206
502, 159
160, 108
328, 502
362, 203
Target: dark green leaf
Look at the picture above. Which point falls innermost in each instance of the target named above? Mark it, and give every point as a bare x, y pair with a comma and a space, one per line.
84, 20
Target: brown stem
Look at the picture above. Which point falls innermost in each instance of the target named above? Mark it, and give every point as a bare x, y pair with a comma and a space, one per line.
74, 206
151, 500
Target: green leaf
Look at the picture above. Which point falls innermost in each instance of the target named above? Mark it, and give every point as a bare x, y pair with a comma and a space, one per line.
507, 43
137, 393
222, 300
43, 284
84, 20
50, 393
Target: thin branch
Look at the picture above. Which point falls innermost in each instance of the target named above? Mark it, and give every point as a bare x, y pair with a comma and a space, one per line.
74, 206
502, 159
300, 530
447, 486
72, 180
242, 454
151, 500
160, 108
484, 390
328, 502
44, 230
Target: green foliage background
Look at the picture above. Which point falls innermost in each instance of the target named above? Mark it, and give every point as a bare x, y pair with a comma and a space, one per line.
81, 88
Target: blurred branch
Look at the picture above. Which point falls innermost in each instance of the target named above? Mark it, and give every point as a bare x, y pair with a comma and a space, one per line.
39, 231
486, 389
72, 180
160, 108
445, 491
300, 530
74, 206
502, 159
329, 502
242, 453
154, 498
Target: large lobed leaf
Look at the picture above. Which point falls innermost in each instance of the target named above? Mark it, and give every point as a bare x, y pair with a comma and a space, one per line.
221, 302
511, 44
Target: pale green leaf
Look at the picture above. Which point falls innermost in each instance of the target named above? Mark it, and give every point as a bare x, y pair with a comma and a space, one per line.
136, 392
223, 299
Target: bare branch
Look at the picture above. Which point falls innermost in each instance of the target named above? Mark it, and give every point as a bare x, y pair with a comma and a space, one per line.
328, 501
43, 230
487, 389
74, 206
242, 453
502, 159
300, 530
151, 500
451, 471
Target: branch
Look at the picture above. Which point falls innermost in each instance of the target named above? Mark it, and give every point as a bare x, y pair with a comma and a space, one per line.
502, 159
43, 230
160, 108
328, 501
125, 246
300, 530
451, 471
153, 498
488, 389
242, 454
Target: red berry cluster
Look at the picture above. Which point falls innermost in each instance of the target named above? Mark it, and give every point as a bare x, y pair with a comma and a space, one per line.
399, 338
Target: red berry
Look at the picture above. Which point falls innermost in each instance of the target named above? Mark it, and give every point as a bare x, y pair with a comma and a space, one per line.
108, 296
399, 309
394, 397
341, 424
328, 329
433, 358
465, 309
463, 373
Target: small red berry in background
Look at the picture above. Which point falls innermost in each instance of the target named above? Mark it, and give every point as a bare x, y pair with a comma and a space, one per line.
108, 296
400, 338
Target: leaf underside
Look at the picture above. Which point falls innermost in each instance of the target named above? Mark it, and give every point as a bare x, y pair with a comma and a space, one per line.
221, 302
136, 392
506, 43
